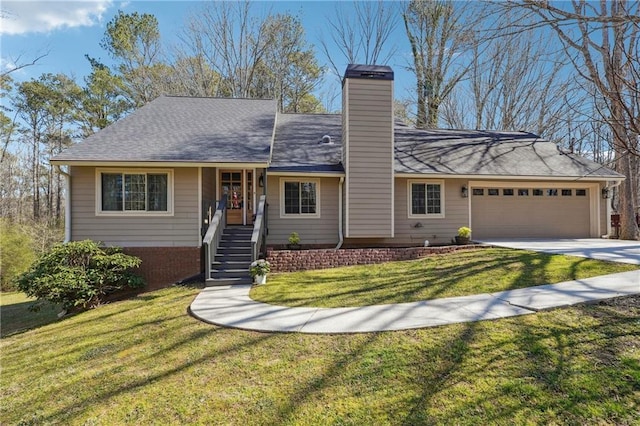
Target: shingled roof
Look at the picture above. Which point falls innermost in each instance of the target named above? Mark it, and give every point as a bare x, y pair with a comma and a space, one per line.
217, 130
299, 144
485, 153
184, 129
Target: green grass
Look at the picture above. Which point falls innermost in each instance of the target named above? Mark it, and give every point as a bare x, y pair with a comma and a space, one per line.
16, 317
455, 274
146, 361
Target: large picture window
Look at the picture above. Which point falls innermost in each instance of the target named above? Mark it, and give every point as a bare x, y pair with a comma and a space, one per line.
300, 198
134, 192
426, 199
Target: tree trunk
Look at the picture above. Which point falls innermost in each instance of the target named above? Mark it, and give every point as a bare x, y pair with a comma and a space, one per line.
628, 225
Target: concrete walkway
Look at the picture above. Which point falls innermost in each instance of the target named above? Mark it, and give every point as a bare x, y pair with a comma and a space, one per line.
231, 306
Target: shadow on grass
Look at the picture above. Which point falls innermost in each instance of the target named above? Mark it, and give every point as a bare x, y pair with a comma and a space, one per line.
573, 365
530, 364
17, 318
110, 358
434, 277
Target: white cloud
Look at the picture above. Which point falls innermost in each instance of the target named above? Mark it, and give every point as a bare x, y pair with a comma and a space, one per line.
22, 17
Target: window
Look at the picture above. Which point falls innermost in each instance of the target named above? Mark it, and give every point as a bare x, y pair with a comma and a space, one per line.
426, 198
538, 192
523, 192
133, 192
552, 192
478, 191
567, 193
507, 192
493, 191
300, 198
581, 192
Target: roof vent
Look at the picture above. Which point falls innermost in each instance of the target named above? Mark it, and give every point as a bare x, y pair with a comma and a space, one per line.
326, 139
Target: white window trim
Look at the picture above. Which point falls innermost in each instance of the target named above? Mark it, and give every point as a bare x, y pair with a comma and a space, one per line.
133, 213
440, 215
284, 215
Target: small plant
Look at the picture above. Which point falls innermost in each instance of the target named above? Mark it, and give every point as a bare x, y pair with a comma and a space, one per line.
259, 267
464, 232
77, 275
294, 239
464, 235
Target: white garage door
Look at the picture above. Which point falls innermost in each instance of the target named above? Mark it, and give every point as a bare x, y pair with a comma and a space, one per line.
526, 212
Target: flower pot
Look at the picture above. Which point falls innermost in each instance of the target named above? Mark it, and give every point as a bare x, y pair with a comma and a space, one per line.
462, 240
260, 279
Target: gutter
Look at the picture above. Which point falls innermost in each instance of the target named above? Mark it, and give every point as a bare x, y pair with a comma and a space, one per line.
340, 234
67, 204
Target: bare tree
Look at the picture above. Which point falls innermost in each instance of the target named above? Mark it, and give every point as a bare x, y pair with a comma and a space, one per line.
602, 42
250, 56
192, 76
361, 34
516, 82
231, 40
438, 38
20, 63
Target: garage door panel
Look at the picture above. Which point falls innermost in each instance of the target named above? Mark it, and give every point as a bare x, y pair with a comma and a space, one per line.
530, 216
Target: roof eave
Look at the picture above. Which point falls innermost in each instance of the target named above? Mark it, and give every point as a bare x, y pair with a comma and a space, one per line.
103, 163
509, 177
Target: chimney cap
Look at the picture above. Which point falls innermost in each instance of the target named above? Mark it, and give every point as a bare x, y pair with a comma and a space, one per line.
377, 72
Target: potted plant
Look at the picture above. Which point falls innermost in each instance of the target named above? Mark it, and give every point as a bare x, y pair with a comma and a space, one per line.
294, 241
464, 235
259, 270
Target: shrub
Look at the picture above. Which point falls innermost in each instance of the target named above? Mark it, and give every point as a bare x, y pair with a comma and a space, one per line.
294, 238
79, 274
16, 253
464, 232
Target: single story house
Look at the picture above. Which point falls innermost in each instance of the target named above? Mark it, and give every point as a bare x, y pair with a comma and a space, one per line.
359, 178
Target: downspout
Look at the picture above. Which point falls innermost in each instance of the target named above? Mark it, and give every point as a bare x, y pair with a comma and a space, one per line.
340, 235
615, 184
67, 204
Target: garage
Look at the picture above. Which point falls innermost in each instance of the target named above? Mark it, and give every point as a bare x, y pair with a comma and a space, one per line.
532, 211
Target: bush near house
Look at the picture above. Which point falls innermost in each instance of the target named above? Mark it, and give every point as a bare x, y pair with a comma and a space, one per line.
78, 275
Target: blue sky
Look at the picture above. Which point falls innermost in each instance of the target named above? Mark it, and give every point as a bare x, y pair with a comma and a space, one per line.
68, 30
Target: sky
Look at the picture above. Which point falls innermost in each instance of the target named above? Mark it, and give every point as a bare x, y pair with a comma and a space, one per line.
67, 30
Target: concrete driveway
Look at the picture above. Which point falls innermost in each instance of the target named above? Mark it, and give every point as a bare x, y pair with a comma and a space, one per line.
595, 248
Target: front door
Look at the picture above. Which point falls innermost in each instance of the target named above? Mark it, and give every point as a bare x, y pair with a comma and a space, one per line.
231, 187
237, 186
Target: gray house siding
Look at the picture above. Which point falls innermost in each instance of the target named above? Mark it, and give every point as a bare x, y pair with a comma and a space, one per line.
368, 141
313, 231
178, 230
413, 231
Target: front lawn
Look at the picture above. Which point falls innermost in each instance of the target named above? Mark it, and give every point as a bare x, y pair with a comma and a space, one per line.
454, 274
146, 361
15, 315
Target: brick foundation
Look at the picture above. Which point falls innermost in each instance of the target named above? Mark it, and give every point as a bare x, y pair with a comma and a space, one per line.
303, 260
163, 266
